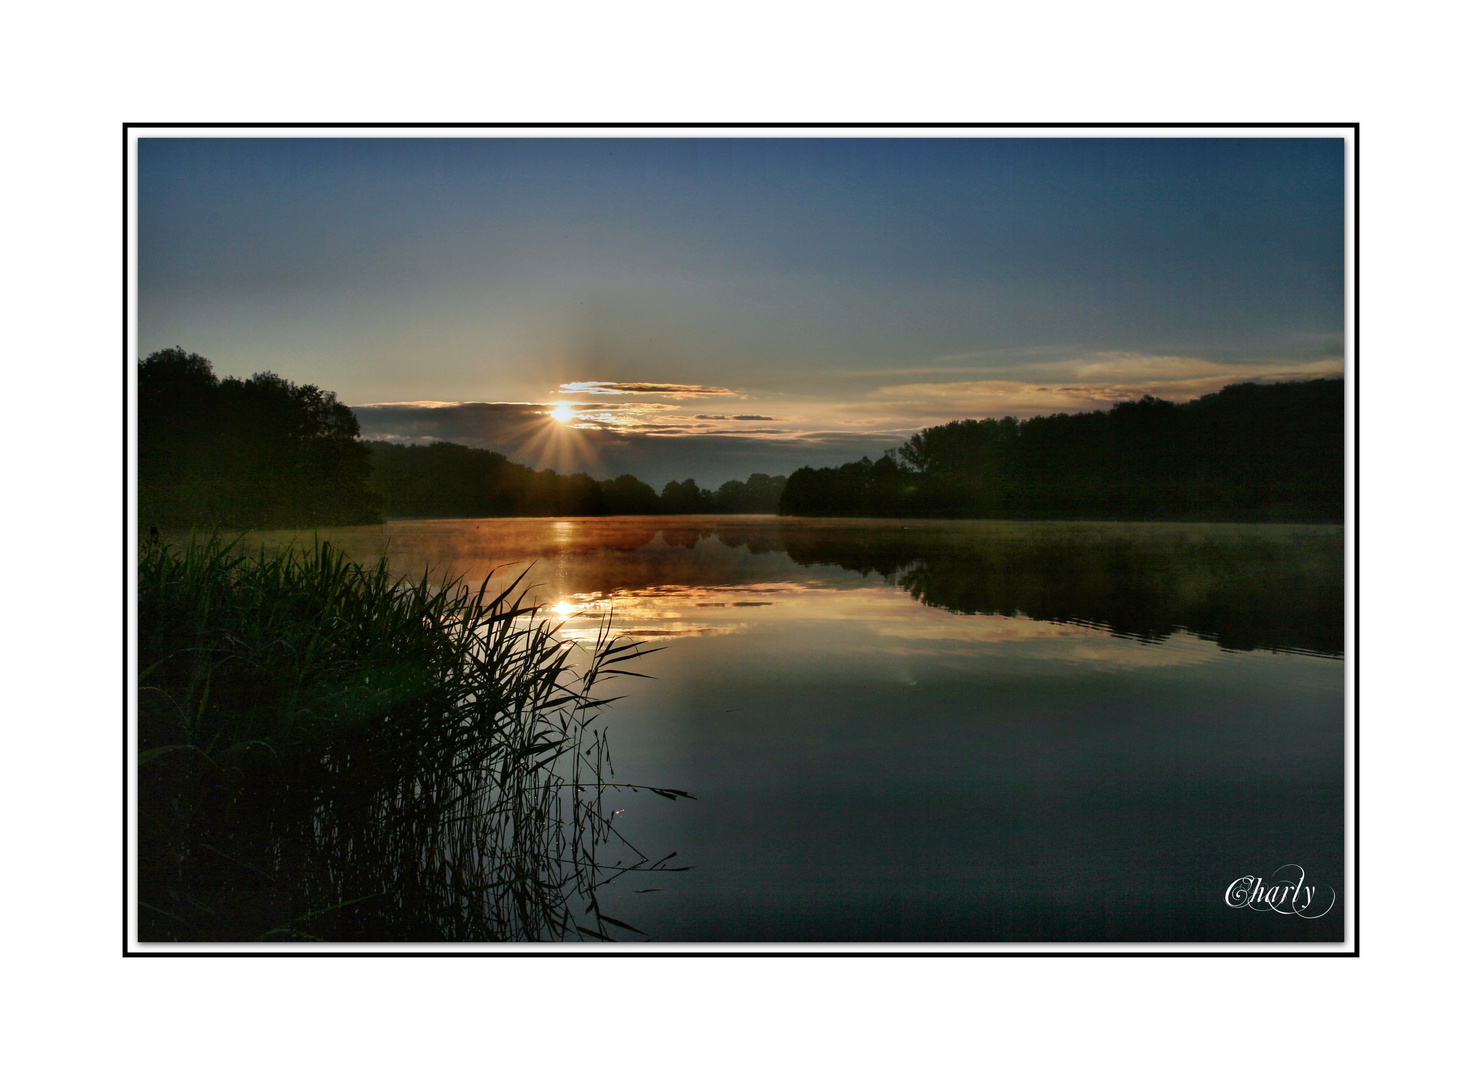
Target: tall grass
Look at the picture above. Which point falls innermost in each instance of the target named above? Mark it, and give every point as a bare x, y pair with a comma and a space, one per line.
326, 753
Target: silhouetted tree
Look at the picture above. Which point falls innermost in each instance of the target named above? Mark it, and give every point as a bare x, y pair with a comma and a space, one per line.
629, 495
760, 494
1248, 452
257, 453
449, 480
686, 498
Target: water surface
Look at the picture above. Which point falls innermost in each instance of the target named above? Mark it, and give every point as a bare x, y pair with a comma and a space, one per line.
951, 731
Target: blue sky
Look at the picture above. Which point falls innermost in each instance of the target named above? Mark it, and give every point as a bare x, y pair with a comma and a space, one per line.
713, 307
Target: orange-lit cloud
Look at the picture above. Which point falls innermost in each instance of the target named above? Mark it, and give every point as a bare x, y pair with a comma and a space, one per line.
679, 390
1082, 383
820, 419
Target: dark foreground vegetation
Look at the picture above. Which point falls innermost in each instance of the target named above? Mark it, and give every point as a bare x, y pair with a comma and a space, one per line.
328, 754
449, 480
1247, 453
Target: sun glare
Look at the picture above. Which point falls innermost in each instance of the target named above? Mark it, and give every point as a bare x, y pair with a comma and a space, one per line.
562, 414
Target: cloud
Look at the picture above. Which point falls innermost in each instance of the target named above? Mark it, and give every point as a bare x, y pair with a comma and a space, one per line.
660, 441
656, 450
619, 415
1082, 383
1063, 362
455, 421
679, 390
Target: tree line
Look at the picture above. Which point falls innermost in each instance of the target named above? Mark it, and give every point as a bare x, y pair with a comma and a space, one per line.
444, 479
1249, 452
265, 452
245, 453
268, 453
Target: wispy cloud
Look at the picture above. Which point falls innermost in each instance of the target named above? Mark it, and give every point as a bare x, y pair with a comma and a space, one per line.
1082, 383
622, 415
679, 390
1042, 362
644, 438
660, 439
445, 404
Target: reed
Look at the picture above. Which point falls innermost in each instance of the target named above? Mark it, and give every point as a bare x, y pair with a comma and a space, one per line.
328, 753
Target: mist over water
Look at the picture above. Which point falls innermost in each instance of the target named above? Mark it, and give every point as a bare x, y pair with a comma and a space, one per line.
951, 731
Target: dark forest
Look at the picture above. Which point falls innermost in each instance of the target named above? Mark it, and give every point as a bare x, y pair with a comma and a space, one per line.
449, 480
268, 453
265, 452
1247, 453
255, 453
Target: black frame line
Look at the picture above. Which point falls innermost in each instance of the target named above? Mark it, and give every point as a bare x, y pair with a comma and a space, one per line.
1352, 890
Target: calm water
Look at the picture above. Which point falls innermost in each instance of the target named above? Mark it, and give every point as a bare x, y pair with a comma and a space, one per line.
973, 731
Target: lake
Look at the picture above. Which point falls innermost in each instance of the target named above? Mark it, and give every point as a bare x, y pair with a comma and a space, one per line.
914, 731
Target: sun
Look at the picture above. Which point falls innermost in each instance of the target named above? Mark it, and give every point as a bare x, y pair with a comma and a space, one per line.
562, 414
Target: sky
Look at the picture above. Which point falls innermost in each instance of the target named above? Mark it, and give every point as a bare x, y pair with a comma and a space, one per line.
714, 307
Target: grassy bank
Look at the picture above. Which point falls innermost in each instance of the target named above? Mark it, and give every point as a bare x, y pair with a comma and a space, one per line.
326, 753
